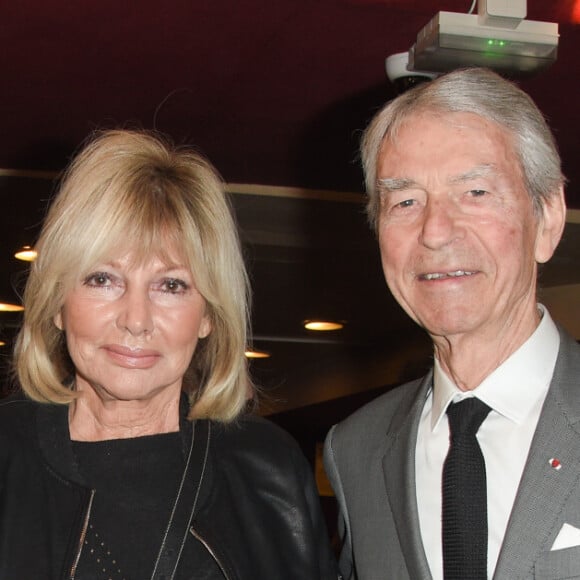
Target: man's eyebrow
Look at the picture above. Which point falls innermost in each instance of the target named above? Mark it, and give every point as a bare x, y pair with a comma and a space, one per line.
388, 184
475, 173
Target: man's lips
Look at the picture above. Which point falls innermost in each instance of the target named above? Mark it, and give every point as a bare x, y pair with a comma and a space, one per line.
446, 275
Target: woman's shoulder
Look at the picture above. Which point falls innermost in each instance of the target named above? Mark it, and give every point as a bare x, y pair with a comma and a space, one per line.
16, 409
16, 424
254, 436
253, 429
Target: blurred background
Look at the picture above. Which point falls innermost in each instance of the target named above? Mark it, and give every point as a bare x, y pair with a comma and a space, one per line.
276, 94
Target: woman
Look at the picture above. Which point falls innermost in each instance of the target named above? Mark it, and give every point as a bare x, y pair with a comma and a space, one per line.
131, 454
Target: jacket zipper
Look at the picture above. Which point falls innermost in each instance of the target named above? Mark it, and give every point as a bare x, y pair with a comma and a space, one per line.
211, 552
73, 569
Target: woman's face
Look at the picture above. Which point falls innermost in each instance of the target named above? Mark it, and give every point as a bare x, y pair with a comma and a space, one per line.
131, 329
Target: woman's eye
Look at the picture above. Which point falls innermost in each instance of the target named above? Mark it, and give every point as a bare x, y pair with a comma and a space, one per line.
174, 286
477, 192
406, 203
98, 279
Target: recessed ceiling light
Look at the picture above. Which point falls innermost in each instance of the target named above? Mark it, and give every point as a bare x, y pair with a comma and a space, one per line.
2, 343
26, 254
253, 353
7, 307
322, 325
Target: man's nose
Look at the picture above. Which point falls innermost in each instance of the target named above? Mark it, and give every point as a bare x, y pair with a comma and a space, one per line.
440, 224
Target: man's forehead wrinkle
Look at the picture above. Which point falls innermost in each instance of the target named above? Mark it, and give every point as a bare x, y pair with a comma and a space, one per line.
484, 170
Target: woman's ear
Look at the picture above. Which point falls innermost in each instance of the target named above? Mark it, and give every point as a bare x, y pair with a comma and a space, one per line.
58, 320
550, 226
204, 327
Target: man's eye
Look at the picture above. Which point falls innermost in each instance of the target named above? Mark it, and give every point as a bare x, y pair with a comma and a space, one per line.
98, 279
405, 204
478, 192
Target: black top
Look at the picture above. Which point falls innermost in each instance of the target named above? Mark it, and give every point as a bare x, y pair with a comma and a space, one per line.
135, 482
257, 510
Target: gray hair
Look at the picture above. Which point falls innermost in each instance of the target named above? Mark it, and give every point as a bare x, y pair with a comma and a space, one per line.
484, 93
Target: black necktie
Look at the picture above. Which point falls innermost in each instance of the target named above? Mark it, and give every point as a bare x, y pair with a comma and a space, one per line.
465, 495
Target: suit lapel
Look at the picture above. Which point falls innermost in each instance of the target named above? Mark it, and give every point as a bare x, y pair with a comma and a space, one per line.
399, 476
543, 490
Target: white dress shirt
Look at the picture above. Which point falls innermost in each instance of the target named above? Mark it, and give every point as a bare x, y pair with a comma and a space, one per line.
515, 391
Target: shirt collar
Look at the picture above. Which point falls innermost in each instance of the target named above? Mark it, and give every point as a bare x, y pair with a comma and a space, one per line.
516, 385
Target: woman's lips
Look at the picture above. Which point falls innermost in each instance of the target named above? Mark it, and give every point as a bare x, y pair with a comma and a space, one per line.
137, 358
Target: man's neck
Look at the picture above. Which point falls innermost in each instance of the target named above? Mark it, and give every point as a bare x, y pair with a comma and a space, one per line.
469, 358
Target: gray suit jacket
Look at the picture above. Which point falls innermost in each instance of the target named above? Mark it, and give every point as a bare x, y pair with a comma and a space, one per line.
370, 460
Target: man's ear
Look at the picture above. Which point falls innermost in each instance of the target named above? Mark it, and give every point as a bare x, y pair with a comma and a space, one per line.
550, 226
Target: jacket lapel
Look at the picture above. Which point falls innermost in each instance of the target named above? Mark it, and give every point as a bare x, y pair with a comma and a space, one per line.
544, 489
399, 475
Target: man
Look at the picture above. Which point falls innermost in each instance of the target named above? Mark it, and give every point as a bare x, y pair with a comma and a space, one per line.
466, 196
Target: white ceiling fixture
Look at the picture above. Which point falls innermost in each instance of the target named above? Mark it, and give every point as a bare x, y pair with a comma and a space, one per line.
498, 37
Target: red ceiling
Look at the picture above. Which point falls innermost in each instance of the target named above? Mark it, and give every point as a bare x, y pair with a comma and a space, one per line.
273, 92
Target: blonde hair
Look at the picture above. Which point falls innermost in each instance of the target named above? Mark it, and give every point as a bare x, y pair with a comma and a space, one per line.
137, 190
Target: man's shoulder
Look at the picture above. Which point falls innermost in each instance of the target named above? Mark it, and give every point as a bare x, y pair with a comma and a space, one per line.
566, 377
360, 439
379, 412
569, 353
363, 433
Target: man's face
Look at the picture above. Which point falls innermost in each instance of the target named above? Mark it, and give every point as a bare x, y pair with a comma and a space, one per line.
458, 236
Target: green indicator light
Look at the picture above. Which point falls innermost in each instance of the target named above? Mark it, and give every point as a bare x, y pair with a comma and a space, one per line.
495, 42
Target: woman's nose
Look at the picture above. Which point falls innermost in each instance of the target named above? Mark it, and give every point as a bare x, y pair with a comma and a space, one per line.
135, 313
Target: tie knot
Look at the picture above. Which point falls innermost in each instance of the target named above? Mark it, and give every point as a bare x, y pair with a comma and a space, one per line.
466, 417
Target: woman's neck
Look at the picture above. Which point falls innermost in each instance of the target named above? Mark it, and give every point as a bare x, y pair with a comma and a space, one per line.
93, 419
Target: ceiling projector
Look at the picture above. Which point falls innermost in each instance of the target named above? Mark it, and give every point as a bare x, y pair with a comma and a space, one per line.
497, 37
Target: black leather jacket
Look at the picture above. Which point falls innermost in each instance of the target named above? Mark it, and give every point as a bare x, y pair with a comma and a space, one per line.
258, 513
